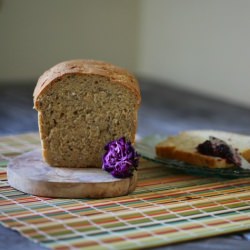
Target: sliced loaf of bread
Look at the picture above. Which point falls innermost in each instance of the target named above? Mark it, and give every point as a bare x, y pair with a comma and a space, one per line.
82, 105
183, 147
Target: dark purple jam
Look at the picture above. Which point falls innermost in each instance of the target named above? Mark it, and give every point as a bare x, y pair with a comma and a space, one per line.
218, 148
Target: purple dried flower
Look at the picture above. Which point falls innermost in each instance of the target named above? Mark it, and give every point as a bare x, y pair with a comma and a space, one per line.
120, 158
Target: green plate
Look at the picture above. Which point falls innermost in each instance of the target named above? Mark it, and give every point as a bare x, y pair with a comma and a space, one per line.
146, 148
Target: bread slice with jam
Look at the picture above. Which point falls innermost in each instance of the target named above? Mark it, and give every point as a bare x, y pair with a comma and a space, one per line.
185, 147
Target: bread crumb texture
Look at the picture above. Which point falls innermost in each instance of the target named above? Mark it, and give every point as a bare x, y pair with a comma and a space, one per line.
82, 105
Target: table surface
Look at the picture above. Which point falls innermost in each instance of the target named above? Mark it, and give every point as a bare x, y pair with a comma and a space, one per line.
164, 110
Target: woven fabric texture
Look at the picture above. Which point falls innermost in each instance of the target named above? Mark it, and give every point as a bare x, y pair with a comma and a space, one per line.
167, 207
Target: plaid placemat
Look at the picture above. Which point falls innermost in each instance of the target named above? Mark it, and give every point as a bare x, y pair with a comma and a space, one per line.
167, 207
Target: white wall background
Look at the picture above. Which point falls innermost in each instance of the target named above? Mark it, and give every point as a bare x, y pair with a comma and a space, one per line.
203, 45
36, 34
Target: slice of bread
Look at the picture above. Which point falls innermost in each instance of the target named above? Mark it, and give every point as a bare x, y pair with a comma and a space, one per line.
82, 105
183, 147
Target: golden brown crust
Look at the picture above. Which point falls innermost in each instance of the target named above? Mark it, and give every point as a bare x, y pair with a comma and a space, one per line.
89, 67
183, 147
191, 157
246, 154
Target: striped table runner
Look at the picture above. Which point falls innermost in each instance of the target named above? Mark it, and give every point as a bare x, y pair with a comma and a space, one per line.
167, 207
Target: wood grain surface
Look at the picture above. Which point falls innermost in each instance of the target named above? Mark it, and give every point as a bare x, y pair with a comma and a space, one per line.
30, 174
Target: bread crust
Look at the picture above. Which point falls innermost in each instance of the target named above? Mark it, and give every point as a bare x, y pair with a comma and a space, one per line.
115, 75
183, 147
192, 157
75, 113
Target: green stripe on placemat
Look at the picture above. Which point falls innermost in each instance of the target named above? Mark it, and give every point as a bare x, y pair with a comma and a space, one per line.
167, 207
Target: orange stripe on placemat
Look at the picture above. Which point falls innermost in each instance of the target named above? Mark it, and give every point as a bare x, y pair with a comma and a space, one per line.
167, 207
3, 175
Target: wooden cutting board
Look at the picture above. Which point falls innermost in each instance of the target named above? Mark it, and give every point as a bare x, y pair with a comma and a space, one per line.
30, 174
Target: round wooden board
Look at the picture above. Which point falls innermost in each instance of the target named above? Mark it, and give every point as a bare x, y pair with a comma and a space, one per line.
30, 174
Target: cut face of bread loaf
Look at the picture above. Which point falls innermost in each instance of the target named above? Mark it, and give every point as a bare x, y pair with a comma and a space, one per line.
82, 105
183, 147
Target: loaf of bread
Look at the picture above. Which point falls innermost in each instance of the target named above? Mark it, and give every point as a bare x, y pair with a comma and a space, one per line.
183, 147
82, 105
